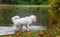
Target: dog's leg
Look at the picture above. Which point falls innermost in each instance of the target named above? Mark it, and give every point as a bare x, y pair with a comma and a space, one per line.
21, 28
27, 27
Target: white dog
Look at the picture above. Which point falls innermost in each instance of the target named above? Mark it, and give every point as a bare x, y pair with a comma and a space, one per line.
26, 21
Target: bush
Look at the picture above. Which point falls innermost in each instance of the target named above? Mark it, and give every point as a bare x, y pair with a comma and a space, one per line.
55, 9
25, 2
6, 12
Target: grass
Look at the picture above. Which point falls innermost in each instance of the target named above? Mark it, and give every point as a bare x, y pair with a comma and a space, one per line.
30, 6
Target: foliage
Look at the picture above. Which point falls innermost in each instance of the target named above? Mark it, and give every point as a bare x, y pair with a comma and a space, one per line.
9, 1
52, 22
55, 9
6, 12
25, 2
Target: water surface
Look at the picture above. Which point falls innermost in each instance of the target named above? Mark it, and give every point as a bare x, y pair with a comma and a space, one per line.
11, 30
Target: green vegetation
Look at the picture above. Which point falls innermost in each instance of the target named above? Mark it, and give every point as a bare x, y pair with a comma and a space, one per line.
40, 8
55, 9
25, 2
8, 11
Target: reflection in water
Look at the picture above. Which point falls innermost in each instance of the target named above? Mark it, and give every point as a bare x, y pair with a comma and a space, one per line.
11, 30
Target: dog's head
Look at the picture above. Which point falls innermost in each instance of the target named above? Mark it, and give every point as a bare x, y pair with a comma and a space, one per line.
33, 17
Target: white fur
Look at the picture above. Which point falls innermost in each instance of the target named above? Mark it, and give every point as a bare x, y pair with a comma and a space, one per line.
27, 21
14, 19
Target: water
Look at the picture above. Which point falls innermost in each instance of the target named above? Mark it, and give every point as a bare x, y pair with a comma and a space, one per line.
11, 30
6, 30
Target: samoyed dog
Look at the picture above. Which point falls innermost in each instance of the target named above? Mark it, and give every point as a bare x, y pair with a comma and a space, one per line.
25, 21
